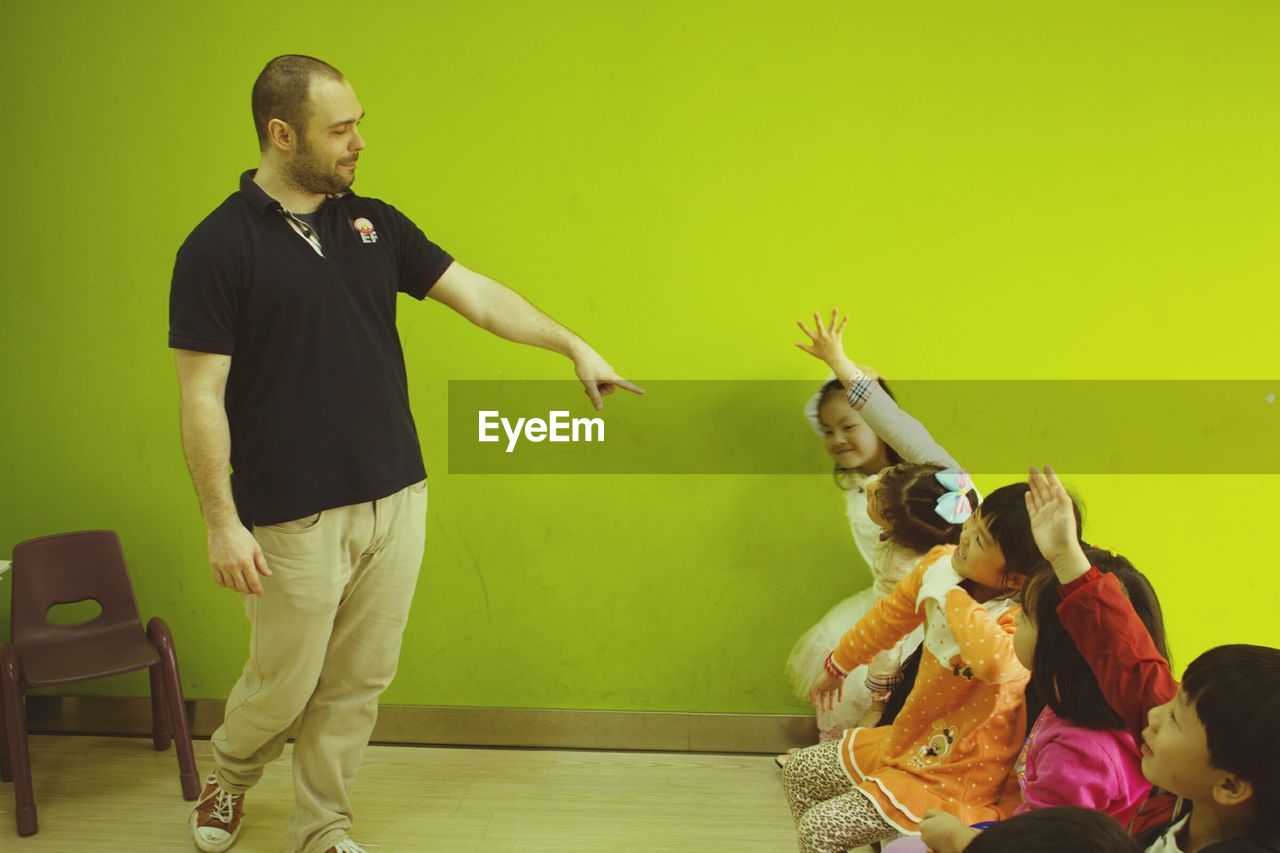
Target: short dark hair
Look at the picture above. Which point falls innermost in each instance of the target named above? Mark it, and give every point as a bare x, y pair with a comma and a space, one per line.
1059, 829
1060, 676
908, 501
834, 386
1004, 512
282, 90
1236, 694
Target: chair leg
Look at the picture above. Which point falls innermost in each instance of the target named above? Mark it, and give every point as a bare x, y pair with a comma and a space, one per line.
158, 631
161, 728
16, 729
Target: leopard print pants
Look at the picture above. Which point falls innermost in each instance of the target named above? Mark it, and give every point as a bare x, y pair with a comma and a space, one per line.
831, 815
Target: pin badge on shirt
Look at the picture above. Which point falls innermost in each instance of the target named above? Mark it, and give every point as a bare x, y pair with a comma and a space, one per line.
365, 228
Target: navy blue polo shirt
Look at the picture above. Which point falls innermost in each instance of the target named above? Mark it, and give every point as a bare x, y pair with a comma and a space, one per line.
317, 397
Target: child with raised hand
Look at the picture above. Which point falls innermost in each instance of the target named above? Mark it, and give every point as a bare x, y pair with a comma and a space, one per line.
859, 456
1078, 752
1210, 741
915, 504
867, 396
953, 743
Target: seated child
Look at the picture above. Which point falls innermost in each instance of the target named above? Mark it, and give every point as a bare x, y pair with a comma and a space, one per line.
1078, 752
860, 455
894, 476
956, 738
1212, 741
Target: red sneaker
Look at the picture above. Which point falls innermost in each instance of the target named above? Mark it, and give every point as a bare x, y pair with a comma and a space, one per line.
215, 821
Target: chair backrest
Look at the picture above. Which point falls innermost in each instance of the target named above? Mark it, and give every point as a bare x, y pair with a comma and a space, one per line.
66, 568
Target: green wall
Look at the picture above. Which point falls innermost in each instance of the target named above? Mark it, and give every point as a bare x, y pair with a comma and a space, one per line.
995, 190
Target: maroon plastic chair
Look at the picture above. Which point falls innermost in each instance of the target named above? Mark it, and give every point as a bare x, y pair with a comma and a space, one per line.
64, 569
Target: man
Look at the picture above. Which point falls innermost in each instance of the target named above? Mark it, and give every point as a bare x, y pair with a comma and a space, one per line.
282, 318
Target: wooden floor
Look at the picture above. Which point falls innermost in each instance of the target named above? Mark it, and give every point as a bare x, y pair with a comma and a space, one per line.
97, 793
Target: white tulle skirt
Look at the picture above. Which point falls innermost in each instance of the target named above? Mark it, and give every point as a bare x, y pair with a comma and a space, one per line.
804, 664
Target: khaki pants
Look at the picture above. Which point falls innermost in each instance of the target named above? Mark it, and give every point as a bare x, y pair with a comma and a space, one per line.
324, 643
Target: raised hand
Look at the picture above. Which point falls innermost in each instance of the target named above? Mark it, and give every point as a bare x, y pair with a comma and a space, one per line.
1053, 524
825, 342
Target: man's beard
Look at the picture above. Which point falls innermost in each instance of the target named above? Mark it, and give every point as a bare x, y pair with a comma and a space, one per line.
311, 176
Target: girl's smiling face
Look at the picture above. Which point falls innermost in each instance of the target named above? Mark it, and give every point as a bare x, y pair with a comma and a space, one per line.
851, 443
978, 557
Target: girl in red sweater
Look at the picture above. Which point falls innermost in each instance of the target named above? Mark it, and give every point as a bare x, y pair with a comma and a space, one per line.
1210, 741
